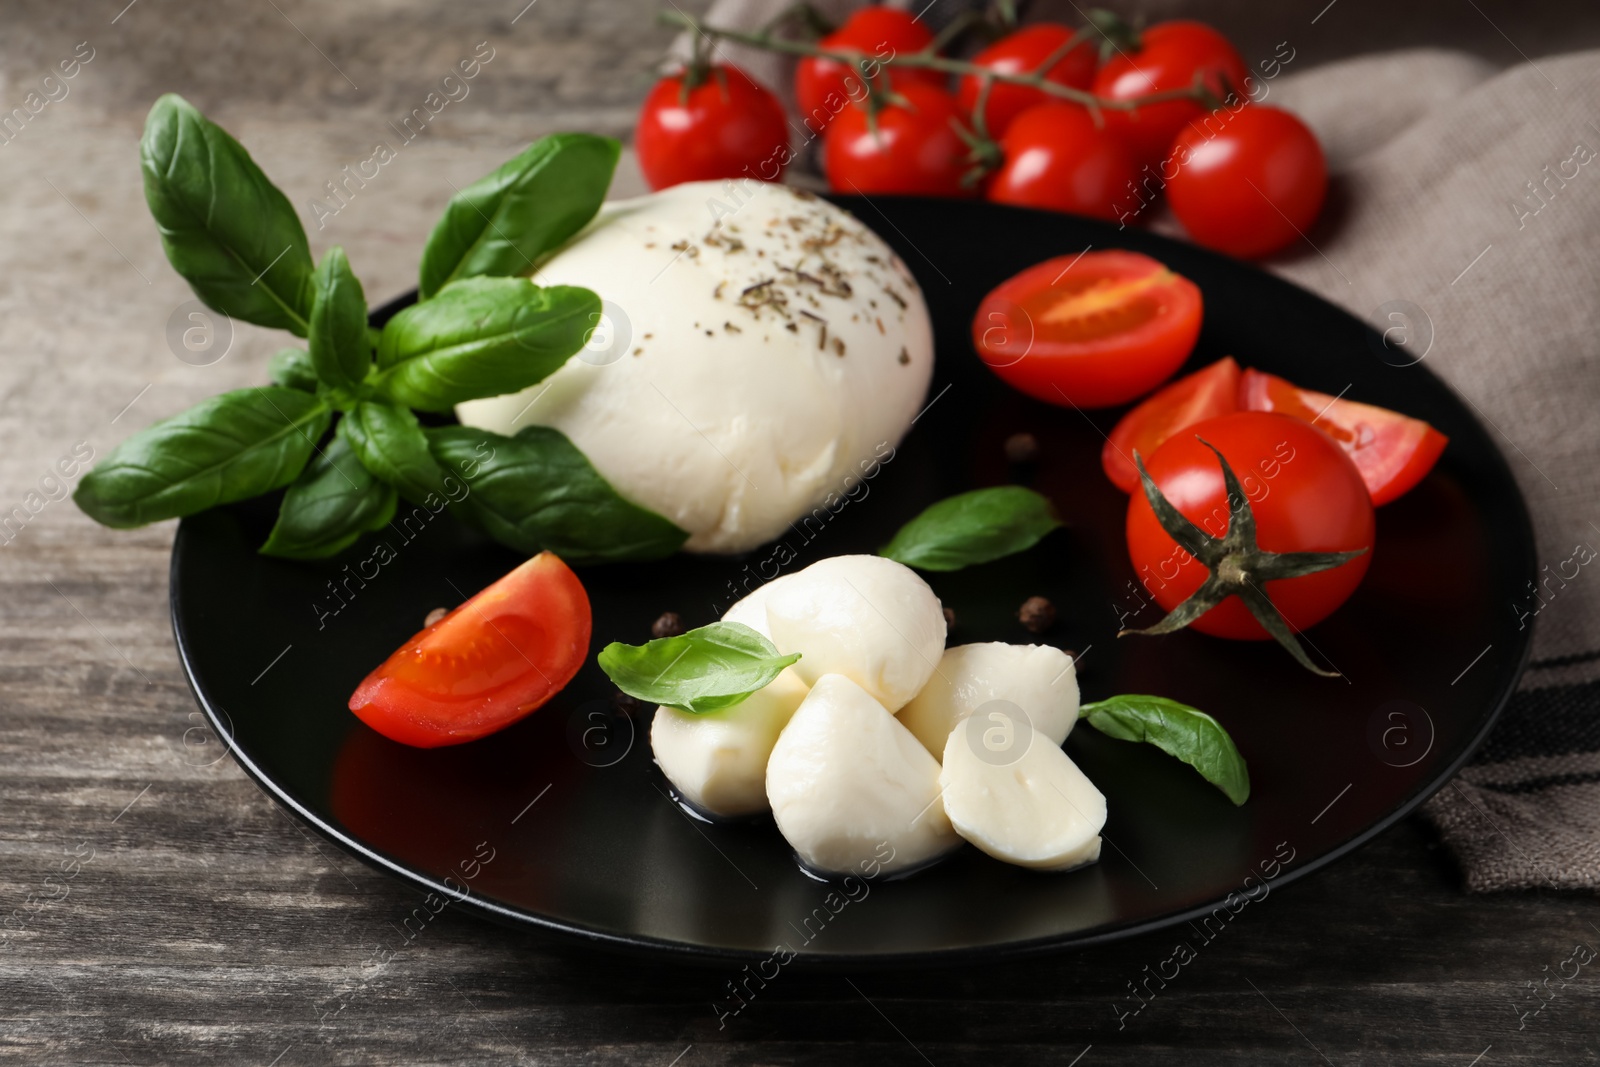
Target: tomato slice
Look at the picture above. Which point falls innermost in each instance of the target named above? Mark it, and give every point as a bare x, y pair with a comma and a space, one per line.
1392, 451
486, 664
1202, 395
1092, 330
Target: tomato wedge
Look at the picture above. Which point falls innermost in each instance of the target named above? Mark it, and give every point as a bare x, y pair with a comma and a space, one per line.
1392, 451
486, 664
1092, 330
1202, 395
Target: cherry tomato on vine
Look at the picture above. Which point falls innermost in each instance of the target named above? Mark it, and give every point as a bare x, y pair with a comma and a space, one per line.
824, 88
1169, 56
1306, 496
913, 147
1247, 183
1055, 157
727, 126
485, 665
1205, 394
1024, 52
1091, 330
1392, 451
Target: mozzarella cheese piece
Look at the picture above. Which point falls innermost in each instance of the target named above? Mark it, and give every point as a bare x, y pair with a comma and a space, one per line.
849, 785
1029, 805
718, 761
1039, 679
760, 350
866, 617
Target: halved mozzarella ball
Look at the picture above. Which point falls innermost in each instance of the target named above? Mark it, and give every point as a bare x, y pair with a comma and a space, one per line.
718, 760
849, 784
1039, 679
866, 617
1021, 799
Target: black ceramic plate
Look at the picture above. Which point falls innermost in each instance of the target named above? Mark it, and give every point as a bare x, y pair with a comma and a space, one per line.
562, 823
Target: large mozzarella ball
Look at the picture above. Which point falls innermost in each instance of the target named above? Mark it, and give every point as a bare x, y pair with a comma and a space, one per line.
1039, 679
718, 760
849, 785
1021, 799
866, 617
761, 350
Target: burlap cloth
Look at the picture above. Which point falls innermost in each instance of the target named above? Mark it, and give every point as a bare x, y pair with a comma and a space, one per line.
1469, 189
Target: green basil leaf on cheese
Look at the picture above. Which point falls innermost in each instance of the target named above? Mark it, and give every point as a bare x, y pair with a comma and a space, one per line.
708, 669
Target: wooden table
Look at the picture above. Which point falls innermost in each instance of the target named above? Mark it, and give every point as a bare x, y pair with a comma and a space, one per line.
168, 912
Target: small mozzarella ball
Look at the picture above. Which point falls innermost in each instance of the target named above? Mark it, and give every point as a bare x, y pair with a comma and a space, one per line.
846, 779
1039, 679
1018, 797
866, 617
718, 761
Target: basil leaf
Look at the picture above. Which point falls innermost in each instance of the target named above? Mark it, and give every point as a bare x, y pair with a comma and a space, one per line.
504, 223
708, 669
974, 527
537, 491
481, 337
292, 369
1178, 730
390, 443
231, 447
333, 502
340, 351
225, 227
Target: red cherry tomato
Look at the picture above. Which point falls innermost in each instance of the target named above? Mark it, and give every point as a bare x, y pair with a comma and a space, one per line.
728, 126
1024, 52
1392, 451
1305, 494
912, 148
1091, 330
1247, 183
1169, 56
1057, 158
485, 665
824, 88
1205, 394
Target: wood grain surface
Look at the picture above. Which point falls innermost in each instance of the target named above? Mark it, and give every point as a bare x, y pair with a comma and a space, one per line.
163, 910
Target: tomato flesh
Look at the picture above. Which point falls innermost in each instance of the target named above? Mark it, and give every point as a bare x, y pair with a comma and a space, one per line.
486, 664
1091, 330
1306, 496
1202, 395
1392, 451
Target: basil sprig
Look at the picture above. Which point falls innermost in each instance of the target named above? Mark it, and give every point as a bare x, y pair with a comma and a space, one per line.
478, 332
971, 528
704, 670
1178, 730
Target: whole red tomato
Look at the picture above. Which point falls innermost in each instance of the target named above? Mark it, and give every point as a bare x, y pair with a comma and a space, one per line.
1056, 157
913, 147
727, 126
1304, 491
1169, 56
1247, 183
1024, 52
824, 88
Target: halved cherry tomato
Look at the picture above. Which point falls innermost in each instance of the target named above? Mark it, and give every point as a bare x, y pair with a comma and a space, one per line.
1392, 451
1057, 158
1169, 56
1202, 395
728, 126
1024, 52
486, 664
1304, 492
1091, 330
912, 147
824, 88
